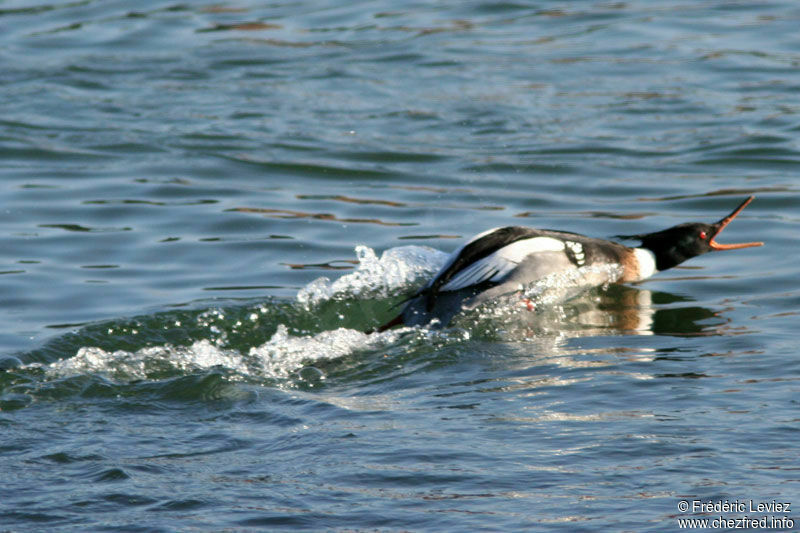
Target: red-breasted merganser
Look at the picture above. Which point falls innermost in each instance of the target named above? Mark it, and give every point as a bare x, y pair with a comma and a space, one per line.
501, 261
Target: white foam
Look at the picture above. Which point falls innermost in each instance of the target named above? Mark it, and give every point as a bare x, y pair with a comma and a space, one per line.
284, 354
280, 357
398, 268
143, 363
556, 287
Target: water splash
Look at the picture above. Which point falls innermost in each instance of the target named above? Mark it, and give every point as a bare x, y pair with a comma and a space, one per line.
232, 341
149, 362
397, 269
284, 354
280, 357
560, 286
290, 348
541, 301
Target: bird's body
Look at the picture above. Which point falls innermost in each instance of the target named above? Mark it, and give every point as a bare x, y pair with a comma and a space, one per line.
503, 261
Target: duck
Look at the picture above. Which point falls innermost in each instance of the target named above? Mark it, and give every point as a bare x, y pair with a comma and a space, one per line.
503, 261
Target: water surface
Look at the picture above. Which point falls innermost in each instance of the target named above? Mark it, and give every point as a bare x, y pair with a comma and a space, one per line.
177, 177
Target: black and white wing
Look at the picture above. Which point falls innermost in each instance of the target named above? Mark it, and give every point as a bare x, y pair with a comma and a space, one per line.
489, 257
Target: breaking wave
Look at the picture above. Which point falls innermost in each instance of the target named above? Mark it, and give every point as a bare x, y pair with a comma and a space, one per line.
324, 323
290, 348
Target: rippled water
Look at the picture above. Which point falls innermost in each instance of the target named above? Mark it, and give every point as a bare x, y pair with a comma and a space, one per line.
176, 179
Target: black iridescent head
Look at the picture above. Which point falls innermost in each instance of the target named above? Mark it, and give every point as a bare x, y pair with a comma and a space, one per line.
675, 245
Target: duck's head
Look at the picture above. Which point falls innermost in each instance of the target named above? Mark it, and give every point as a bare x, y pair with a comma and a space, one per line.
675, 245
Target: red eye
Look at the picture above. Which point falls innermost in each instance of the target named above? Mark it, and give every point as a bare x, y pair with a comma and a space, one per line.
703, 235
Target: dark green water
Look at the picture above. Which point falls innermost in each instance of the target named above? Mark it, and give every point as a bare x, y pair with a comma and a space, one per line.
177, 176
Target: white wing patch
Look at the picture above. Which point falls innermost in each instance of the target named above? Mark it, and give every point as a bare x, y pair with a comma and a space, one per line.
577, 252
497, 265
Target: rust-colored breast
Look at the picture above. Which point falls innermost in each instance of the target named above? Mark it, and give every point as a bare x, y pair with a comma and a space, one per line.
630, 266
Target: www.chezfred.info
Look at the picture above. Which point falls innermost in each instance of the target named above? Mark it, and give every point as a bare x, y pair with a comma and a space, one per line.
736, 514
